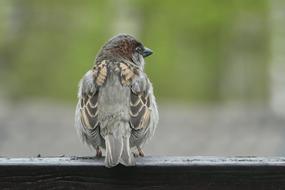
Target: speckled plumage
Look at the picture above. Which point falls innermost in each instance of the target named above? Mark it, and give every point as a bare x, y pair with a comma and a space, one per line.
116, 109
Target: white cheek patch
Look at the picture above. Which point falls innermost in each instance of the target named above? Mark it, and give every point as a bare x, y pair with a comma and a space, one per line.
138, 60
141, 60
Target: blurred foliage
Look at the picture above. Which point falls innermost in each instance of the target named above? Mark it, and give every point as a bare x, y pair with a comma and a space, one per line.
46, 46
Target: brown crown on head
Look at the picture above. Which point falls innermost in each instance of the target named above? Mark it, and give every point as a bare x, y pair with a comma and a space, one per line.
119, 46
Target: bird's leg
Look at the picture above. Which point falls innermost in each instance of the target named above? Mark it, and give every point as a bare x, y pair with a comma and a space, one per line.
135, 154
98, 152
141, 153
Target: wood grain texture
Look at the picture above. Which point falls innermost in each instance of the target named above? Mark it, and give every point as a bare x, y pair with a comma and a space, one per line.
150, 173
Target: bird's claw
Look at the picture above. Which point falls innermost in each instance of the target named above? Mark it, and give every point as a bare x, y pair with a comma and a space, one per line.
135, 154
139, 153
98, 152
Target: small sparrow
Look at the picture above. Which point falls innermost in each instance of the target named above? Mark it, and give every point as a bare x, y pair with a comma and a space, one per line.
116, 110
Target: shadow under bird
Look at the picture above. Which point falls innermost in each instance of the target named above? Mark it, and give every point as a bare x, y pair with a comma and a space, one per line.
116, 110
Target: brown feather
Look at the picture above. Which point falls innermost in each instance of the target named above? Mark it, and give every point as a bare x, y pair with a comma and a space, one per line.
89, 111
140, 111
101, 73
127, 73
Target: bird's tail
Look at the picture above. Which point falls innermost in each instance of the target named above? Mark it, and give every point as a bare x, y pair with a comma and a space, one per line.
118, 146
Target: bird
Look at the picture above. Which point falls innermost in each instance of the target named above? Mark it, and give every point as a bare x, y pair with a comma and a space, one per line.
117, 110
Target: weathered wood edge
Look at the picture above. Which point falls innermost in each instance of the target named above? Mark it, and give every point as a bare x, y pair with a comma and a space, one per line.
198, 172
160, 161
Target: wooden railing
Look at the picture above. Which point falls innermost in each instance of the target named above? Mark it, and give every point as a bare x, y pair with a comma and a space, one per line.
221, 173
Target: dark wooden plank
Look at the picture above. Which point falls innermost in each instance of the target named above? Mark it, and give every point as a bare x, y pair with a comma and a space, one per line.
150, 173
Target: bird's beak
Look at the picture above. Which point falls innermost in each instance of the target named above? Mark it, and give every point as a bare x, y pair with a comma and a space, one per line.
147, 52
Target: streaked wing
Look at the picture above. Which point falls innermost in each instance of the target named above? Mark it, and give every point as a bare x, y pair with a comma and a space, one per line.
140, 110
89, 111
89, 99
127, 74
100, 73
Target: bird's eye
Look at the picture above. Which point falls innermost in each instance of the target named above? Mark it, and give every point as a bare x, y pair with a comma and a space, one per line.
138, 49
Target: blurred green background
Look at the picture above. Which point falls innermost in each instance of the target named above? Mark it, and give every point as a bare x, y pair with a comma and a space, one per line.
218, 71
205, 51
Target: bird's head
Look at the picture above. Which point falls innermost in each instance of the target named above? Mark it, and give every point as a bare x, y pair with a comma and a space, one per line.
124, 47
